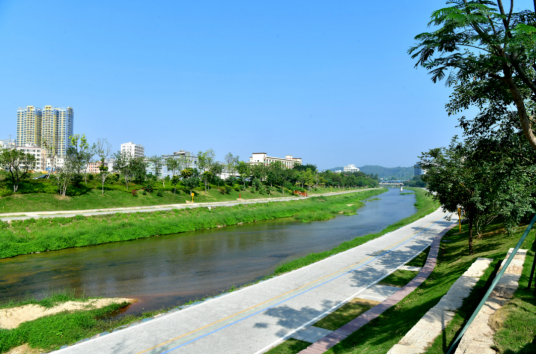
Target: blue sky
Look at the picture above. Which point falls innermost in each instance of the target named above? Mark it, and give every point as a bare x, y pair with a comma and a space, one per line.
330, 82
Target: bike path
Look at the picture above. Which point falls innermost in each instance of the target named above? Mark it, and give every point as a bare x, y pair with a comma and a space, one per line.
258, 317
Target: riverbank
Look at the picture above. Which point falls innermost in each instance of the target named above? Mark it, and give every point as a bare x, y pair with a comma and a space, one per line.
46, 234
37, 199
112, 324
453, 260
424, 204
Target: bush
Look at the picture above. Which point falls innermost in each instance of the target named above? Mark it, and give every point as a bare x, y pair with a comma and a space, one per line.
228, 189
237, 188
144, 192
91, 177
134, 192
6, 193
160, 193
222, 190
77, 180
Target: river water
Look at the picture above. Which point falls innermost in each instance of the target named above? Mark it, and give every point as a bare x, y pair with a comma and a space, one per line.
170, 270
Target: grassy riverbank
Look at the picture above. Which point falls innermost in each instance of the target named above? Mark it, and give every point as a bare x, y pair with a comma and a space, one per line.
40, 195
425, 205
39, 235
385, 331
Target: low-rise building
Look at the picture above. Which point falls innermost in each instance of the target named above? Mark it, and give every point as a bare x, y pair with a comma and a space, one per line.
134, 150
93, 167
8, 143
38, 153
351, 168
191, 161
261, 157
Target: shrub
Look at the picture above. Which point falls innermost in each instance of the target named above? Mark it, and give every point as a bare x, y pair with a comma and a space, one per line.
91, 176
160, 193
228, 189
6, 193
77, 179
144, 192
133, 192
237, 188
222, 190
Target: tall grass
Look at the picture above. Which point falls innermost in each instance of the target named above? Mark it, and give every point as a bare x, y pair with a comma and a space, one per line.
425, 205
38, 235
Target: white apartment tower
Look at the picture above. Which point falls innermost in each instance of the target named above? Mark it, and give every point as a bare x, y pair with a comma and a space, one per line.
134, 150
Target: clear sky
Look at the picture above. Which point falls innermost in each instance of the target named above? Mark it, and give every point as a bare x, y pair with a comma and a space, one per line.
330, 82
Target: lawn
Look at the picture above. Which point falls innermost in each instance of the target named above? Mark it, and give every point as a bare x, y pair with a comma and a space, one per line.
40, 195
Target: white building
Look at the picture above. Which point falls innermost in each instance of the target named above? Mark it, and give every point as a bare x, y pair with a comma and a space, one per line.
261, 157
8, 143
351, 168
190, 160
38, 153
53, 164
135, 150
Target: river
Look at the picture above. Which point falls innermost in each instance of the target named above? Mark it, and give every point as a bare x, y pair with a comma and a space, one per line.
170, 270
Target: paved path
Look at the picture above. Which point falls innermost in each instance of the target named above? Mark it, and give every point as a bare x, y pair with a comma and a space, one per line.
330, 340
256, 318
149, 209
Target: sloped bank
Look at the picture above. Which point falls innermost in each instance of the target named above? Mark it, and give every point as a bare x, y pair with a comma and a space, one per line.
39, 235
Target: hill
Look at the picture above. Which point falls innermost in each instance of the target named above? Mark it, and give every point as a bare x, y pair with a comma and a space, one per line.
401, 173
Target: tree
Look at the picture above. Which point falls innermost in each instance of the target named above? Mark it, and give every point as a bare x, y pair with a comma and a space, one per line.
231, 163
205, 162
80, 153
244, 170
17, 163
124, 164
157, 164
102, 149
173, 165
139, 168
484, 187
190, 181
66, 174
488, 51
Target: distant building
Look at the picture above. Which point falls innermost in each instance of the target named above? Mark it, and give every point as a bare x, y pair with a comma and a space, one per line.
350, 168
261, 157
417, 170
49, 128
8, 144
191, 162
134, 150
338, 171
93, 167
38, 153
29, 126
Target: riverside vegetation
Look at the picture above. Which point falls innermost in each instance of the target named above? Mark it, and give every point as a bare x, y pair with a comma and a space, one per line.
47, 234
51, 332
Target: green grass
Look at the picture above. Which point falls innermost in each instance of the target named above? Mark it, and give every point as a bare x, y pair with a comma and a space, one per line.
513, 334
40, 195
290, 346
420, 259
425, 205
345, 314
399, 278
38, 235
51, 332
385, 331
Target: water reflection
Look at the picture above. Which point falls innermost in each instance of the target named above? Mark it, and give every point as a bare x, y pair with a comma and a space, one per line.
170, 270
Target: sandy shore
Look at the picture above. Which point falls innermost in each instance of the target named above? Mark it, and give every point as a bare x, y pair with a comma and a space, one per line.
13, 317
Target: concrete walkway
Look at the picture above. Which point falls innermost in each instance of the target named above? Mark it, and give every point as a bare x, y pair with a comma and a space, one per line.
259, 317
150, 209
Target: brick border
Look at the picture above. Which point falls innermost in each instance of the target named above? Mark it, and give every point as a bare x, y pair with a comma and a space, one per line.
343, 332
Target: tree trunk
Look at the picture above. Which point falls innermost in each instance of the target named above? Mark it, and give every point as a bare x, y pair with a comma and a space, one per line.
470, 236
521, 108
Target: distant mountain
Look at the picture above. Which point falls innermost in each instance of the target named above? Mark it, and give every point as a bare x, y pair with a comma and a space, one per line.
400, 173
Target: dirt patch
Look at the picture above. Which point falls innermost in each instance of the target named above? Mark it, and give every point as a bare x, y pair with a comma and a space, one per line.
13, 317
25, 349
61, 197
350, 204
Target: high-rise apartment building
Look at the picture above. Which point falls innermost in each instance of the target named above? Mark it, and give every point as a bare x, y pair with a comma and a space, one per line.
29, 126
49, 128
135, 150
